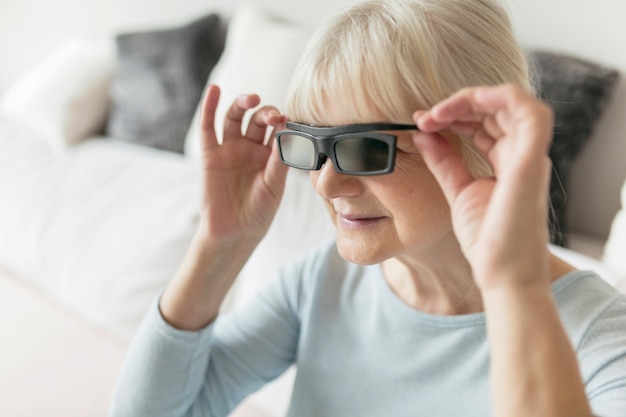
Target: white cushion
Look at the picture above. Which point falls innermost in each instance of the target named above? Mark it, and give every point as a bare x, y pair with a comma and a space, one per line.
259, 57
65, 98
101, 227
615, 249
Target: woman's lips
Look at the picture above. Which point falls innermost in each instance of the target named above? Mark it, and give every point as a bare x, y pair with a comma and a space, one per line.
350, 221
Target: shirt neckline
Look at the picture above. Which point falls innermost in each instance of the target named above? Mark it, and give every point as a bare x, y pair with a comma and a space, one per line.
411, 315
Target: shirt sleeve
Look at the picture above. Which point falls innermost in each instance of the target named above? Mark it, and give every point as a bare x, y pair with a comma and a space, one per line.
603, 357
171, 372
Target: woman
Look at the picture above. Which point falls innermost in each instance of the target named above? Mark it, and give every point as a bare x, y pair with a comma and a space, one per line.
439, 296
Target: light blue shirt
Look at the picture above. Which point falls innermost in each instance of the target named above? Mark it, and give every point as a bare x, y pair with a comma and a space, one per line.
359, 350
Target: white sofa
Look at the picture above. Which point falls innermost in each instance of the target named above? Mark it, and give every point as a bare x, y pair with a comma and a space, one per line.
91, 228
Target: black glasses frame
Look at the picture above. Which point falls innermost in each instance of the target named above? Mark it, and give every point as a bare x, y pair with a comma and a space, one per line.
324, 140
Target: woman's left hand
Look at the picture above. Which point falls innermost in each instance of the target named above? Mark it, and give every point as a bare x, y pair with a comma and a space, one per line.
500, 221
501, 224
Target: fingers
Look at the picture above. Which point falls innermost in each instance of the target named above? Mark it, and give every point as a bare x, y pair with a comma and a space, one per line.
479, 134
498, 111
502, 121
276, 172
235, 114
207, 119
257, 128
261, 119
458, 112
259, 122
444, 162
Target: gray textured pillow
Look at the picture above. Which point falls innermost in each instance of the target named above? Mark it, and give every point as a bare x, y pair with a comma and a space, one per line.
159, 81
578, 91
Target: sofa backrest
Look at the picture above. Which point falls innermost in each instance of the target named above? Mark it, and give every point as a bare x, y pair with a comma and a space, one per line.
28, 33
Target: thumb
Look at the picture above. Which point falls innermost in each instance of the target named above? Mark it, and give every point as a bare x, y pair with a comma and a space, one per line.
275, 174
444, 163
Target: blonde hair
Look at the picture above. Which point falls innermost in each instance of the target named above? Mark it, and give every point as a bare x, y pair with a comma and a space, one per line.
383, 59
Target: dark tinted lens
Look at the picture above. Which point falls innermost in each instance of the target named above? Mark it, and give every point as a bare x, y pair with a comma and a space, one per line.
362, 155
297, 151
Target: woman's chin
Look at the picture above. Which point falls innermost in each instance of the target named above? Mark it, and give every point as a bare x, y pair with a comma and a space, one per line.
359, 251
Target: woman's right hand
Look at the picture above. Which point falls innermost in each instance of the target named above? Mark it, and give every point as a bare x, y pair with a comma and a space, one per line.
244, 178
244, 181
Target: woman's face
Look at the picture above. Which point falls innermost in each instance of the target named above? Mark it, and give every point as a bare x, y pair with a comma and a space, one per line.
378, 217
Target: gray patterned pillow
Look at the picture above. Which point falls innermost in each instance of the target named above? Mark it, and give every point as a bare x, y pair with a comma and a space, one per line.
578, 91
159, 81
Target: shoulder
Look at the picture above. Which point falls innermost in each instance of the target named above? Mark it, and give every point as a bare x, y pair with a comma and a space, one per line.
283, 298
294, 280
321, 278
308, 266
315, 269
593, 314
586, 302
323, 257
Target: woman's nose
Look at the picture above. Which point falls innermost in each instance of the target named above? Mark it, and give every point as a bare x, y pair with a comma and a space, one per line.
329, 183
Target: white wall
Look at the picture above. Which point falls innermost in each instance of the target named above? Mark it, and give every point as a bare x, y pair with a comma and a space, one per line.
29, 29
595, 29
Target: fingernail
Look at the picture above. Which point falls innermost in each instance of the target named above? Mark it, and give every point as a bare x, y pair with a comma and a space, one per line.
418, 115
243, 99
